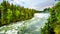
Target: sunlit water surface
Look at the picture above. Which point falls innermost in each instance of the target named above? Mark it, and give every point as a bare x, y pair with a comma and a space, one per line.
32, 26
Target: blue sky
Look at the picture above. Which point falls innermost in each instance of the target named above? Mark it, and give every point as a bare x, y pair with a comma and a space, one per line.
34, 4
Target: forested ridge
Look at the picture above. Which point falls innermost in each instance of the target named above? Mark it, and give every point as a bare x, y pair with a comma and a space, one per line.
53, 24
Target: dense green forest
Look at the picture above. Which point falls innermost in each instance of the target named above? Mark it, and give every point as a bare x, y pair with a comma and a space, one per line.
10, 13
53, 25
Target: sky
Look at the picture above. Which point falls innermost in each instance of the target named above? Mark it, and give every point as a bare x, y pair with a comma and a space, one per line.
33, 4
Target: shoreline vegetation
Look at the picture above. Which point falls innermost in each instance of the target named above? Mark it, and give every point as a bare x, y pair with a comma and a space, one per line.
53, 24
10, 13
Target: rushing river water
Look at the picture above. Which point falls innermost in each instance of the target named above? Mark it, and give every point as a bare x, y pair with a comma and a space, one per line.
32, 26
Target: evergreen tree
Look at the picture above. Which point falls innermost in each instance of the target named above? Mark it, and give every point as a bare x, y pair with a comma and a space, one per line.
53, 21
12, 13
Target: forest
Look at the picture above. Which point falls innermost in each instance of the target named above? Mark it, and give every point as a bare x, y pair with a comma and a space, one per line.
10, 13
53, 24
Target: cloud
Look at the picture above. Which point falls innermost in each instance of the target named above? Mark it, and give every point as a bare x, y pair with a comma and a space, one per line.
18, 2
45, 4
35, 4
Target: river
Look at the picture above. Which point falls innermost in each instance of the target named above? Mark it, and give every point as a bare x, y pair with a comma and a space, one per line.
32, 26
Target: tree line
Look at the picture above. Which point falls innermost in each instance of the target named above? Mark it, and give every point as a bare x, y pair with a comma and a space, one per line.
53, 24
10, 13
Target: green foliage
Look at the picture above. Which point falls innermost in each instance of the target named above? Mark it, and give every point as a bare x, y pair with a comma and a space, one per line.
11, 13
53, 21
57, 29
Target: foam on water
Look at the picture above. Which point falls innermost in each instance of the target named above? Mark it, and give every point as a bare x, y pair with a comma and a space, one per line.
33, 25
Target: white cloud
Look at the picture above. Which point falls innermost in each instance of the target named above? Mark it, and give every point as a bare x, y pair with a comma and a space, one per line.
35, 4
